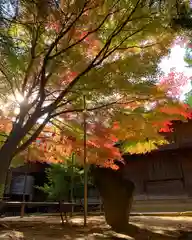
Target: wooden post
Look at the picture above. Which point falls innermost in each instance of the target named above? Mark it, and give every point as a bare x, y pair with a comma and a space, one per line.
72, 184
23, 200
22, 210
85, 161
100, 205
24, 187
61, 213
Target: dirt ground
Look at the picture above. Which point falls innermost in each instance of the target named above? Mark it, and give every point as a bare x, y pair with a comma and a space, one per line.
50, 228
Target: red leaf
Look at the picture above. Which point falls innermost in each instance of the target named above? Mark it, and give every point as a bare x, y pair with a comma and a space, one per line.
116, 125
173, 83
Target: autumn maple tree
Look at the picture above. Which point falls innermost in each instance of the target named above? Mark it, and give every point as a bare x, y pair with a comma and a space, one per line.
174, 84
53, 53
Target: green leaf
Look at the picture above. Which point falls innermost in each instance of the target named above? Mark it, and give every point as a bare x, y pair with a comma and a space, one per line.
189, 101
17, 161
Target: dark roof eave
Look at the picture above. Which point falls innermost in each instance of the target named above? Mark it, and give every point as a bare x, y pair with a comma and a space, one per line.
164, 148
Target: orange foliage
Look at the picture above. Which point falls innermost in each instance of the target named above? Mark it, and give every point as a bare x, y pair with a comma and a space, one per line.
68, 77
100, 140
166, 127
54, 145
183, 110
89, 41
5, 125
100, 147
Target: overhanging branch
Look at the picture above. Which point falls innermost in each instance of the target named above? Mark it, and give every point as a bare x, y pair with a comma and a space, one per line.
62, 33
117, 102
33, 136
116, 31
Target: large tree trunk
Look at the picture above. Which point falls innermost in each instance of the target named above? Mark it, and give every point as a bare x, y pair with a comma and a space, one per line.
5, 160
117, 196
10, 147
6, 154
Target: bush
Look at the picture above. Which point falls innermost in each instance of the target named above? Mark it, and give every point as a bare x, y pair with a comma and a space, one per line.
62, 177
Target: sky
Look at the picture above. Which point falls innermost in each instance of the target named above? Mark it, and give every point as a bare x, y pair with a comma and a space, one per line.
176, 60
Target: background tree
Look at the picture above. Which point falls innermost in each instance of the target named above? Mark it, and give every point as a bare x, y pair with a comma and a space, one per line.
60, 179
189, 98
188, 60
59, 182
59, 185
182, 19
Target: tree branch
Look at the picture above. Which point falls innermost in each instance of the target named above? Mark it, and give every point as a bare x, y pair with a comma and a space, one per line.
58, 125
116, 31
35, 35
141, 47
53, 45
93, 64
65, 103
83, 38
93, 108
33, 136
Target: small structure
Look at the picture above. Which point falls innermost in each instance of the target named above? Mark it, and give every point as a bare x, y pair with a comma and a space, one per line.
21, 182
22, 185
165, 173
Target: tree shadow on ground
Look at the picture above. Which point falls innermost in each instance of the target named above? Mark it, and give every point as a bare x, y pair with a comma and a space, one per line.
48, 231
139, 233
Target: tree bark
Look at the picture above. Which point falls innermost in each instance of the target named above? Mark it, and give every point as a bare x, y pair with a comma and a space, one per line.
3, 174
6, 154
5, 160
117, 196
